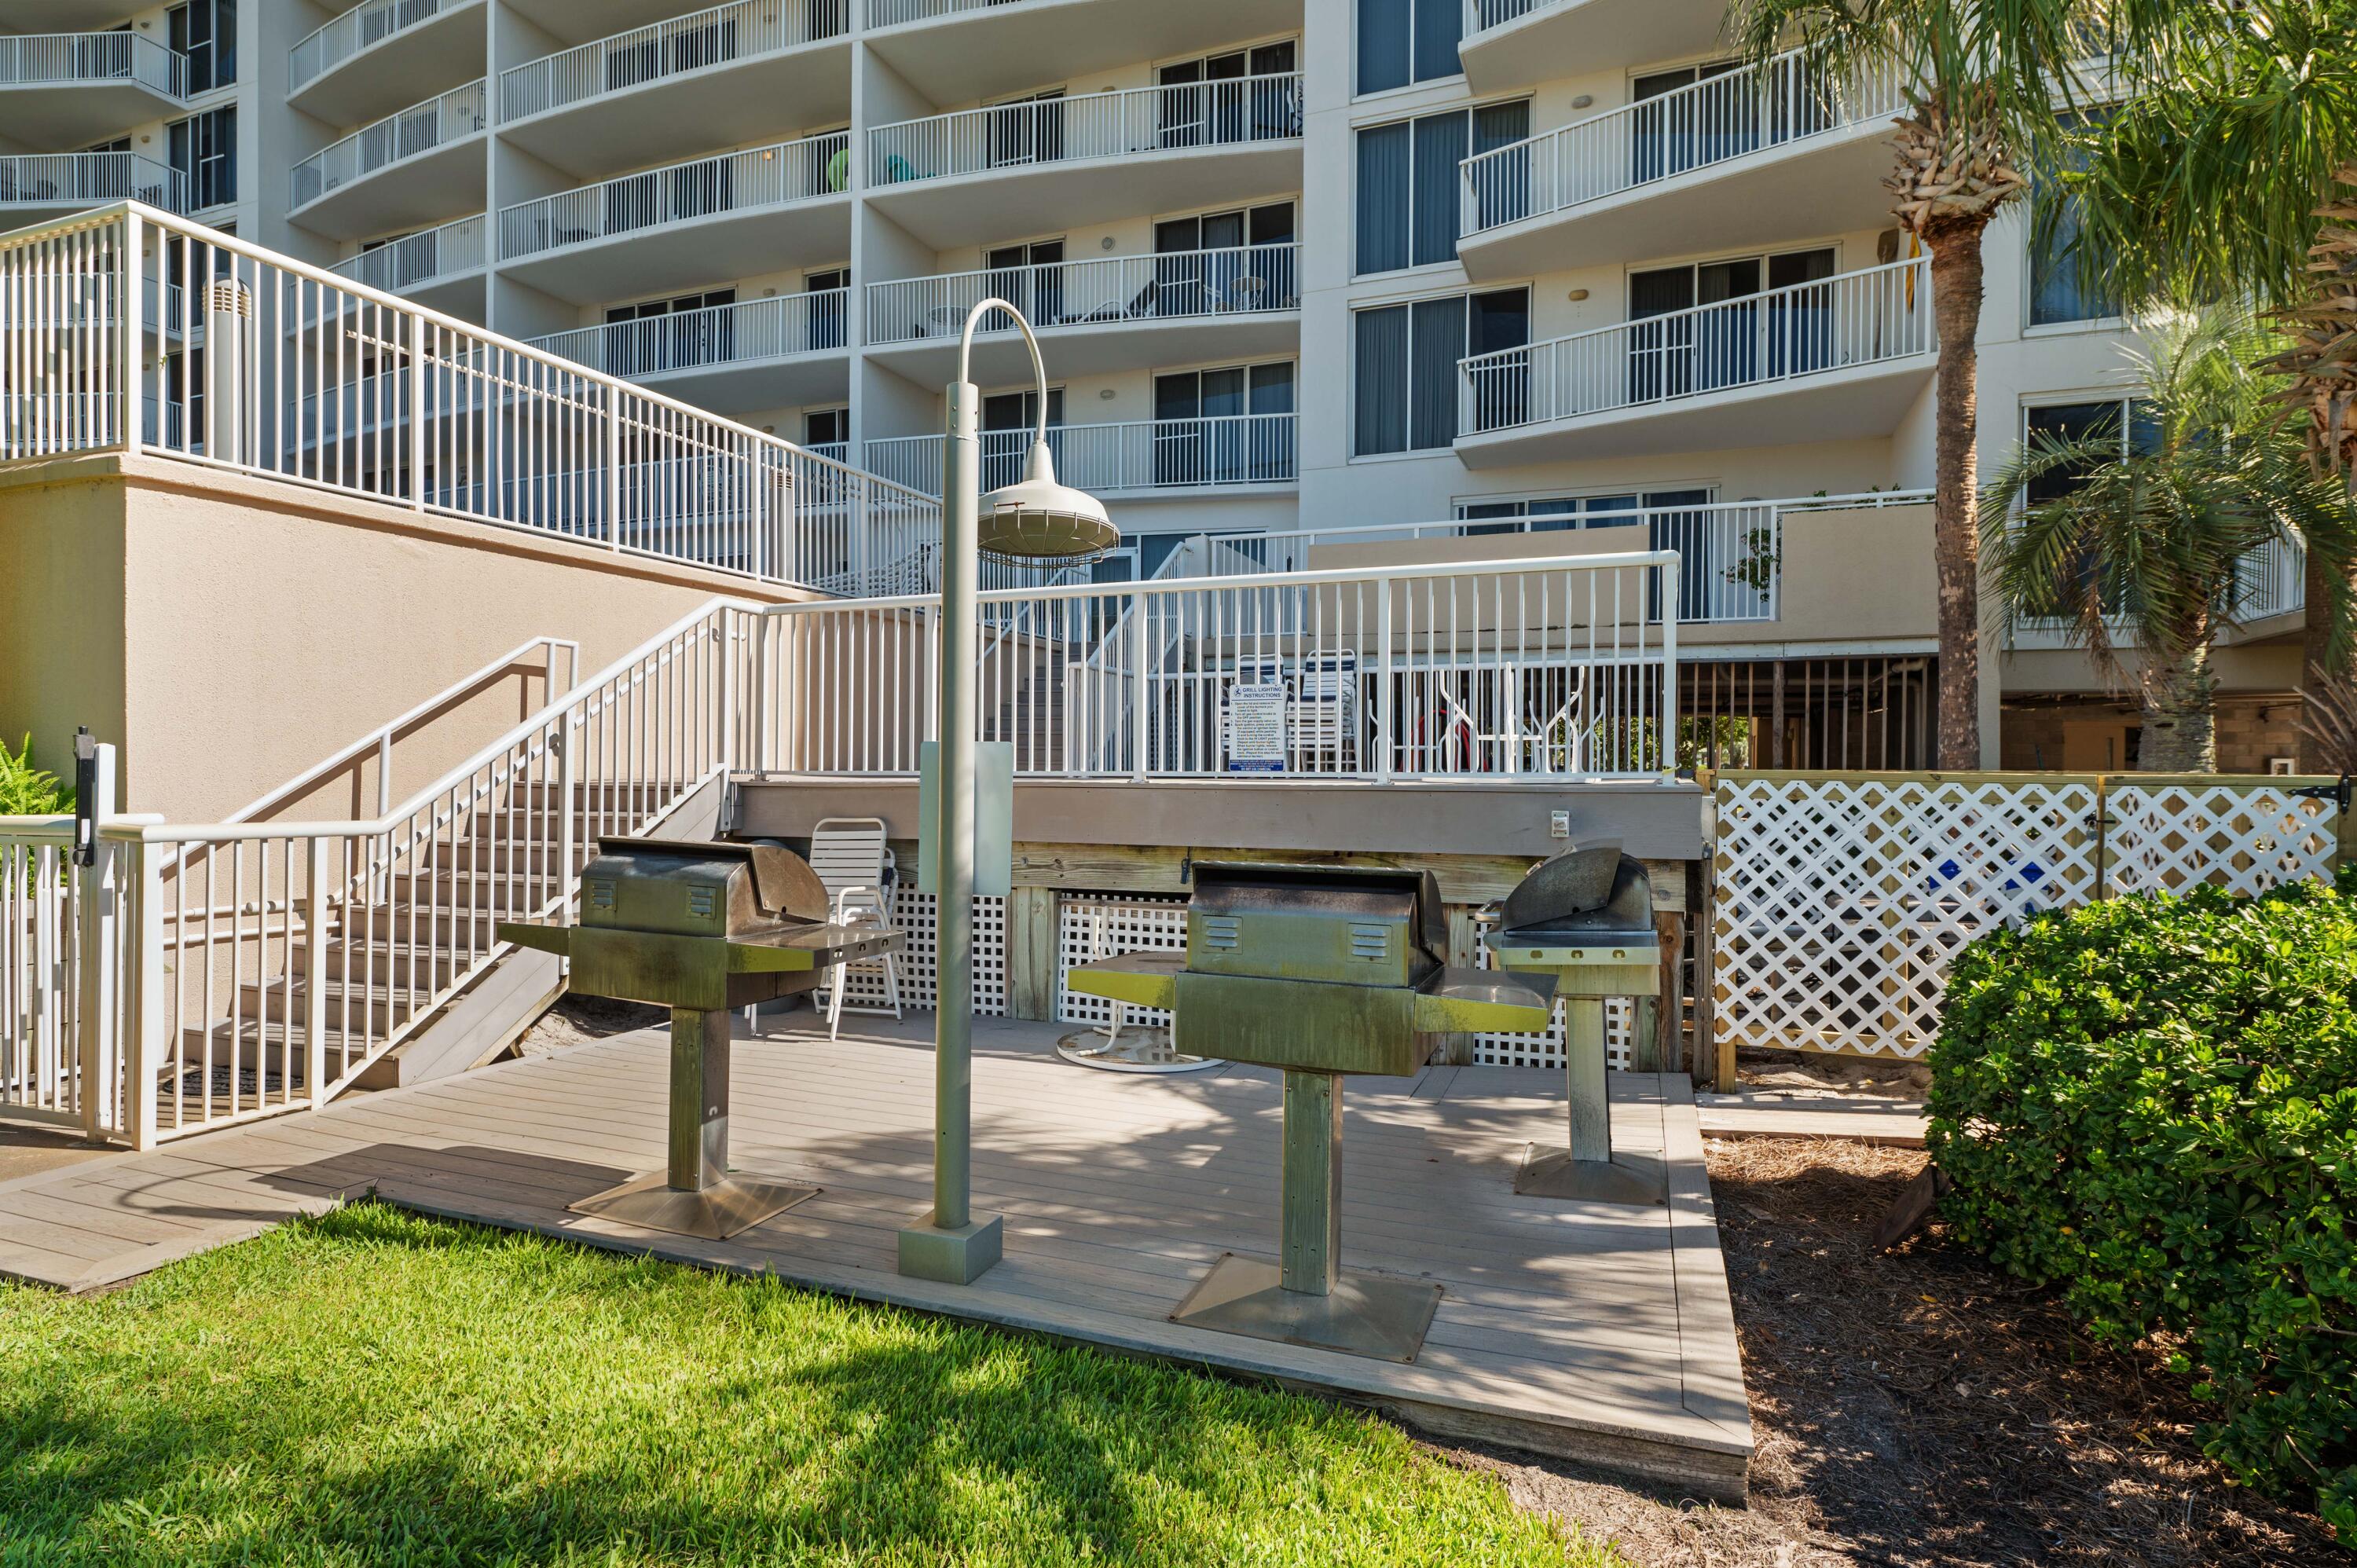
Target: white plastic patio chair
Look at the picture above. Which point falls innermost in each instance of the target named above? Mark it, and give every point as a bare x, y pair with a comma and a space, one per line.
856, 868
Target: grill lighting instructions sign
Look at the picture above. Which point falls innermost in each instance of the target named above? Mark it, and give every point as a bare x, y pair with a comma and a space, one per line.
1257, 727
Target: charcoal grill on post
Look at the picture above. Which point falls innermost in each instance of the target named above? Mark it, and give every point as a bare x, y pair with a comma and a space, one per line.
1585, 917
1318, 971
700, 929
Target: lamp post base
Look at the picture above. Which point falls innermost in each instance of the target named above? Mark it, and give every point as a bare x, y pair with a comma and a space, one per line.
952, 1257
1639, 1180
1364, 1315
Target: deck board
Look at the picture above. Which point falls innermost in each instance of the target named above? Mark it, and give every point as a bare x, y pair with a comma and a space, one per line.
1601, 1334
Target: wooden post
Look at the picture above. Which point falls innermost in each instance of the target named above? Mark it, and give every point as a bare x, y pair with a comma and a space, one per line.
1669, 1007
1776, 720
1031, 960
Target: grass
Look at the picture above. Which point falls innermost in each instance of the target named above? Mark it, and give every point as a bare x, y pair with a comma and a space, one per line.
377, 1387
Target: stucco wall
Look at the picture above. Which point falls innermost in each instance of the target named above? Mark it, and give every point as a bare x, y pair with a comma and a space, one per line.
230, 633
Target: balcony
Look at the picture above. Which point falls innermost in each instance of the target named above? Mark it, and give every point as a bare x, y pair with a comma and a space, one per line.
68, 90
1750, 159
1840, 358
1513, 44
404, 171
439, 267
50, 184
730, 74
955, 51
1140, 459
740, 214
759, 353
1113, 313
959, 179
379, 56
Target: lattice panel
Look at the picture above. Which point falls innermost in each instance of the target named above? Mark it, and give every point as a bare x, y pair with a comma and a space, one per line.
1842, 902
2249, 838
1547, 1050
1091, 926
914, 913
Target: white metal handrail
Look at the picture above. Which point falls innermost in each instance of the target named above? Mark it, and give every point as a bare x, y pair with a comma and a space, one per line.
310, 377
411, 132
85, 60
1224, 450
746, 332
1788, 100
427, 256
91, 179
724, 35
771, 176
1870, 316
895, 13
1098, 291
1554, 668
363, 27
1130, 123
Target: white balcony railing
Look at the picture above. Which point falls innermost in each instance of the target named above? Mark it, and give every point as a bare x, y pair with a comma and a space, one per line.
893, 12
311, 379
1482, 14
454, 249
89, 59
1125, 124
1790, 100
745, 333
328, 46
724, 35
1226, 450
775, 175
1813, 328
436, 122
91, 179
1244, 280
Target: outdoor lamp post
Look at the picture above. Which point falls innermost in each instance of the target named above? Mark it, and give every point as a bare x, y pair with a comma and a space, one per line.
1034, 519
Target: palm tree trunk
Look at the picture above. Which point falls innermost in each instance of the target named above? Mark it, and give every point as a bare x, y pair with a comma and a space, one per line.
2325, 664
2181, 732
1955, 508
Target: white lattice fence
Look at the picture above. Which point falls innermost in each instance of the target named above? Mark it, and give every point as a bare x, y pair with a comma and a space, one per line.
1841, 901
2165, 837
1089, 927
914, 913
1547, 1050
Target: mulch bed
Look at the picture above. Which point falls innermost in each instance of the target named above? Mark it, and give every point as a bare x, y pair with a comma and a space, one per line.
1919, 1408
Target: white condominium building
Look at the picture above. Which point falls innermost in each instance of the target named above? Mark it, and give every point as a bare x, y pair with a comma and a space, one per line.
1370, 277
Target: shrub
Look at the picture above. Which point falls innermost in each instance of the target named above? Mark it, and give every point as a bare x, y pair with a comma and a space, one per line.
27, 790
2153, 1102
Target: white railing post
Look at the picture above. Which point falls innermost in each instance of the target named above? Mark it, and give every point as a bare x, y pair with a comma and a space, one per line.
1141, 685
1673, 576
614, 465
567, 783
316, 899
726, 742
384, 773
417, 411
96, 939
147, 1022
130, 410
1384, 715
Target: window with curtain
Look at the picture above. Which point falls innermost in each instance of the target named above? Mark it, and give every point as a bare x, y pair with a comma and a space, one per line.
1408, 202
1405, 365
2058, 290
204, 148
1407, 41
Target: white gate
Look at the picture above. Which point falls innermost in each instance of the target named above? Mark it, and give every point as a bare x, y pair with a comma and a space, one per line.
1840, 900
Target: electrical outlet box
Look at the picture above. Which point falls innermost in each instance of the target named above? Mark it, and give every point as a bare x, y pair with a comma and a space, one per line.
1559, 824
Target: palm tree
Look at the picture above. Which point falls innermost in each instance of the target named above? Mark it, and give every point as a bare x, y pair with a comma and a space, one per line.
1989, 82
2139, 547
2228, 170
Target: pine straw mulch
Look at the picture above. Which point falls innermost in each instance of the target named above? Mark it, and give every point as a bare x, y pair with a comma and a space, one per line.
1919, 1408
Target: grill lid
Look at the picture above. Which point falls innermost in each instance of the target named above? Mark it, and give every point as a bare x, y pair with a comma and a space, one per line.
1550, 908
1357, 925
699, 888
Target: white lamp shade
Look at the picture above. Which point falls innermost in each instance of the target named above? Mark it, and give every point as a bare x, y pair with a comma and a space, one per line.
1036, 519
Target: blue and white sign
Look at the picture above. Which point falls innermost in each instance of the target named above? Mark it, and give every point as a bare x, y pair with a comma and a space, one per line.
1257, 727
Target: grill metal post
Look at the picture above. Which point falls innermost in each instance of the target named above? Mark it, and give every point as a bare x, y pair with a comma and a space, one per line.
699, 1099
1313, 1182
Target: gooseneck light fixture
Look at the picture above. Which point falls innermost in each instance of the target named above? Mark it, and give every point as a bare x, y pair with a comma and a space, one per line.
1034, 520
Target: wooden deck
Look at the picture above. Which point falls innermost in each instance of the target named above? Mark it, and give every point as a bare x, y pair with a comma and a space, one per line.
1599, 1334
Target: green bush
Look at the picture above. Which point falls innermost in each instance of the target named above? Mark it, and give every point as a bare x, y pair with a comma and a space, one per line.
27, 790
2153, 1102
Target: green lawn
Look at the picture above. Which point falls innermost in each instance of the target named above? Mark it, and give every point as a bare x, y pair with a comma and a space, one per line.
374, 1386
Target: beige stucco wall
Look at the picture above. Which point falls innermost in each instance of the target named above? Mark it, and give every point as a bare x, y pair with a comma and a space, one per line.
230, 633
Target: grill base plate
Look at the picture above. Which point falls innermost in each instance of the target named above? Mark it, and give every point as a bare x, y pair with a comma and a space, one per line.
1639, 1180
715, 1213
1377, 1315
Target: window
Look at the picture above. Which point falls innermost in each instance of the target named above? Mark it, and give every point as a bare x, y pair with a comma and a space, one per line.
204, 148
1406, 366
2059, 293
668, 334
1788, 332
1556, 513
1221, 261
827, 431
205, 31
1230, 97
822, 318
1031, 277
1408, 204
1404, 41
1199, 437
1007, 421
2128, 419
